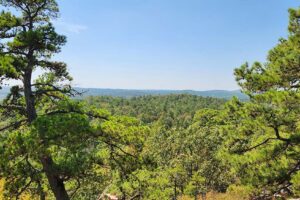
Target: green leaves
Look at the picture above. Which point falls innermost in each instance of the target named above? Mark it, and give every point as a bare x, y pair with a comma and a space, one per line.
294, 21
296, 183
30, 40
281, 72
37, 9
262, 136
7, 70
7, 23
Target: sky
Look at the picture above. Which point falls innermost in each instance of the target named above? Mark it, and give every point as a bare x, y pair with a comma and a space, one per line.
167, 44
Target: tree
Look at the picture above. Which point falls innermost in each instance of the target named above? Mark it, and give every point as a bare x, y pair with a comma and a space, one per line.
28, 42
48, 141
263, 134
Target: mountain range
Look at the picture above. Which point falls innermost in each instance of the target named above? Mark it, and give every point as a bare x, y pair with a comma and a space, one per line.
128, 93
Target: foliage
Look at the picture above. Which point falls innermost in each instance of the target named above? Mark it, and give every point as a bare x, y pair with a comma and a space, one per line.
296, 183
262, 135
178, 158
175, 146
49, 143
169, 110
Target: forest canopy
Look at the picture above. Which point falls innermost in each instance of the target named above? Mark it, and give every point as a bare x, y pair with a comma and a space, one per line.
54, 145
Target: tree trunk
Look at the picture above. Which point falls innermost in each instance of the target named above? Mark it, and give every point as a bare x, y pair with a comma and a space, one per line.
30, 104
41, 192
175, 190
203, 196
42, 196
196, 195
56, 183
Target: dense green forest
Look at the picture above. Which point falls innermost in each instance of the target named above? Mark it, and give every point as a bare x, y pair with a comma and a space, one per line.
179, 110
177, 146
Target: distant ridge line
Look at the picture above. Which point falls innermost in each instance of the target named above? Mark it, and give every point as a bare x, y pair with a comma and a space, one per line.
129, 93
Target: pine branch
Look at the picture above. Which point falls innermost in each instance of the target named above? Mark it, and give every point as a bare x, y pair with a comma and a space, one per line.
13, 125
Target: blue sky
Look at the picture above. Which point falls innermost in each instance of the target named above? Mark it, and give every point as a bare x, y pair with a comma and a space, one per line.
167, 44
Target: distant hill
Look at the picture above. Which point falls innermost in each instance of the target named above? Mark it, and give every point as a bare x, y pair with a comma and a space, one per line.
127, 93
